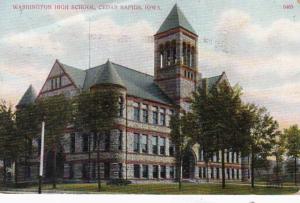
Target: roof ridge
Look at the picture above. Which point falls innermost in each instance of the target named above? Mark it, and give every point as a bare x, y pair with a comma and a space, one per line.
134, 70
71, 66
109, 75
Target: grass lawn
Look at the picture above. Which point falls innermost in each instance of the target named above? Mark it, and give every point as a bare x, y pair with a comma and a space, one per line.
190, 189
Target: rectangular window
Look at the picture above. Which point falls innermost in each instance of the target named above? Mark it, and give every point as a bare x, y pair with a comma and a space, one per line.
120, 107
172, 172
232, 173
163, 116
145, 171
84, 171
120, 140
163, 172
162, 145
120, 170
85, 143
71, 171
136, 143
107, 141
200, 151
144, 143
106, 170
59, 82
218, 173
232, 157
212, 173
155, 171
228, 173
237, 157
200, 172
238, 174
52, 84
171, 148
94, 166
72, 143
154, 145
95, 138
155, 115
218, 156
145, 115
227, 157
136, 113
204, 172
27, 172
136, 170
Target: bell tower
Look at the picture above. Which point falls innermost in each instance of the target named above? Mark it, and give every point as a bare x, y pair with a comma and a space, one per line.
176, 57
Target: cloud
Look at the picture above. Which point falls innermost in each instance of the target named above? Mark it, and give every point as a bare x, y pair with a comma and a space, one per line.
27, 57
264, 60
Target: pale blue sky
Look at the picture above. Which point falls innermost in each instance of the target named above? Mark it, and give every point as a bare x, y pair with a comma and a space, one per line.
260, 49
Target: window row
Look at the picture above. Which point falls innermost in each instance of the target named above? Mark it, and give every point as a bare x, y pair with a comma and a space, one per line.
142, 171
230, 157
169, 56
189, 74
141, 144
216, 173
56, 82
90, 172
89, 142
141, 113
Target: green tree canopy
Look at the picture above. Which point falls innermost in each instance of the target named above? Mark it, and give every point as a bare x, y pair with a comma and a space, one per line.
292, 144
216, 113
96, 111
9, 139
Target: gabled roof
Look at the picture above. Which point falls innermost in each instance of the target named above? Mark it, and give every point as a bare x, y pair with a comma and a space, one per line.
212, 81
76, 74
109, 75
28, 97
138, 84
175, 19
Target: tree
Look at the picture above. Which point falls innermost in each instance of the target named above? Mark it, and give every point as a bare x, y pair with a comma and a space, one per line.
292, 135
55, 111
28, 128
181, 133
278, 151
95, 112
216, 112
9, 142
201, 109
262, 138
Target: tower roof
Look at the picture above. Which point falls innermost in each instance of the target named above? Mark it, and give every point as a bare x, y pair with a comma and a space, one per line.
28, 97
109, 75
175, 19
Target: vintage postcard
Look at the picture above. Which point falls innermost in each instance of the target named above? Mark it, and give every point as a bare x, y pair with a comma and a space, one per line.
177, 97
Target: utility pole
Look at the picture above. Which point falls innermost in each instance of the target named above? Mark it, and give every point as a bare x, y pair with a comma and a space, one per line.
41, 157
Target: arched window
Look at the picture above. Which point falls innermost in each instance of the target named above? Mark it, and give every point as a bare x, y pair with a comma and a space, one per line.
161, 56
168, 52
121, 106
184, 53
188, 62
174, 57
193, 57
120, 139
